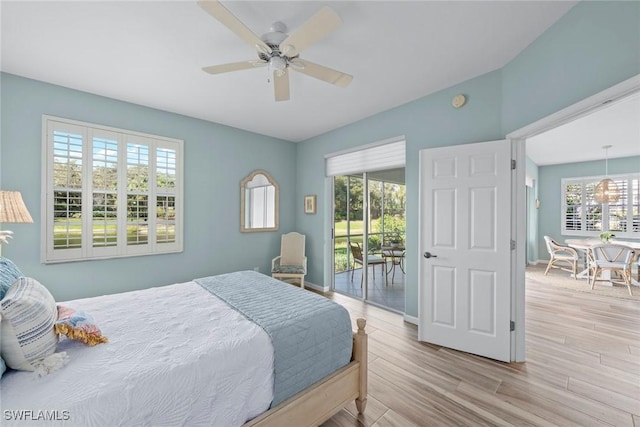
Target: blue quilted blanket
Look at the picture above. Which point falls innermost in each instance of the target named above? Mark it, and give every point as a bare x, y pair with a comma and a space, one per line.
311, 335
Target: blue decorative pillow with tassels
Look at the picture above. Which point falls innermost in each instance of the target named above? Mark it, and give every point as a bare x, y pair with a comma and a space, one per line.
9, 273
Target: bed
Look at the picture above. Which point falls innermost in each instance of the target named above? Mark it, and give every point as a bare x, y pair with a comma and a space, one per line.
233, 349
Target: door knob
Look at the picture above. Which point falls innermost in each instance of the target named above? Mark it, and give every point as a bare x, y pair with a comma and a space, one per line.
430, 255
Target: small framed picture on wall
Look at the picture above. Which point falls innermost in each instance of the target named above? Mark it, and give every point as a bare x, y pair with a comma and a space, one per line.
310, 204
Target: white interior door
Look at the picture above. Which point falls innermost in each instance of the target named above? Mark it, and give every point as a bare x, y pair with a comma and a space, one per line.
465, 248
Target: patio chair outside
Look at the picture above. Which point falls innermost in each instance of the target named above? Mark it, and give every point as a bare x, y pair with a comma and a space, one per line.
372, 260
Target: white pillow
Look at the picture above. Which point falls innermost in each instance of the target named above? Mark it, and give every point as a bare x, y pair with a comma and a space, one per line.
27, 336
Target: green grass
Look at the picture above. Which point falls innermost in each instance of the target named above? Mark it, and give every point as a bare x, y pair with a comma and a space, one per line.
340, 227
69, 235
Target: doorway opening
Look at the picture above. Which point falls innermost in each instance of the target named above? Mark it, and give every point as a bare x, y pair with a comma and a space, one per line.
542, 200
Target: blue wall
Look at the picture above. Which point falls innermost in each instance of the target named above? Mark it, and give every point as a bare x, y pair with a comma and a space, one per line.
217, 158
550, 192
594, 46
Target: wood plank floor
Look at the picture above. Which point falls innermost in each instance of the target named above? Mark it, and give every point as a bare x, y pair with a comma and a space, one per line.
582, 369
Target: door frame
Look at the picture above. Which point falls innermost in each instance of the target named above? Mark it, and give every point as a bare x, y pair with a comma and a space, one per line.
519, 228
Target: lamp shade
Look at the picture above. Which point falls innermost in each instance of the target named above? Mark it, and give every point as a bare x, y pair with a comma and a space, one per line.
12, 208
606, 191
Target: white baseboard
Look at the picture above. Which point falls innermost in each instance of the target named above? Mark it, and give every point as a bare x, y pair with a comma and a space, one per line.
318, 288
411, 319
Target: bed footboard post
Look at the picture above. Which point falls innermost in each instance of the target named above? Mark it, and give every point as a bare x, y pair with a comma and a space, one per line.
360, 350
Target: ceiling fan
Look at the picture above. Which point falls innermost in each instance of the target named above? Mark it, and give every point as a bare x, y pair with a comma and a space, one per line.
278, 50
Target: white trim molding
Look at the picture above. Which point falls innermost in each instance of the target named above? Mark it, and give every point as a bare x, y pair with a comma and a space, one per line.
411, 319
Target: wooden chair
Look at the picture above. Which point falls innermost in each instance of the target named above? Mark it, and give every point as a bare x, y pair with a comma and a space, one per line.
372, 260
614, 258
561, 254
291, 263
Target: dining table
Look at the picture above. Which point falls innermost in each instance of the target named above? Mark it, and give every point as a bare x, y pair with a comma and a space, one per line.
584, 245
396, 254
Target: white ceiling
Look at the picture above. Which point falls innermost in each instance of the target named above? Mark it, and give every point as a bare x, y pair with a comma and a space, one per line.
616, 124
151, 53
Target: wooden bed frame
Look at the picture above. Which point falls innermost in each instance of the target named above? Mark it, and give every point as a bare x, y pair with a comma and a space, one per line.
322, 400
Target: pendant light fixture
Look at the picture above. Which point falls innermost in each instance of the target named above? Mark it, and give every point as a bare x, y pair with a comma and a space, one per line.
606, 191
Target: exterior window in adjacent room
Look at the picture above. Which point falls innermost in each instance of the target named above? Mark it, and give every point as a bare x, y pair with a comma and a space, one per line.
583, 216
109, 192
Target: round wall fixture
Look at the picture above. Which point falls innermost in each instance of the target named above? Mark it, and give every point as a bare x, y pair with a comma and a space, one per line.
458, 101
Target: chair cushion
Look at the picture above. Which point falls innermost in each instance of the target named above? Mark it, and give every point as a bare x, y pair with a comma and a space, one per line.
289, 269
606, 264
565, 257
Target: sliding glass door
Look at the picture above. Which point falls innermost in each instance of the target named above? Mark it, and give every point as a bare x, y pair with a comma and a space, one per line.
348, 234
369, 218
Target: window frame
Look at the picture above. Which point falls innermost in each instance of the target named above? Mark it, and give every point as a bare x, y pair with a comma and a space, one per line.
584, 182
88, 249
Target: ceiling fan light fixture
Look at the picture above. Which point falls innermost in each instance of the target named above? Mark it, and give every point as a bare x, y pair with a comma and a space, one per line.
278, 63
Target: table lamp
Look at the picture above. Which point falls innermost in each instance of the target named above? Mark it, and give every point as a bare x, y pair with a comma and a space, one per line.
12, 210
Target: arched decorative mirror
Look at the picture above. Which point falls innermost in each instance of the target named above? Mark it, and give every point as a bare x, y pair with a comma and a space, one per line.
259, 197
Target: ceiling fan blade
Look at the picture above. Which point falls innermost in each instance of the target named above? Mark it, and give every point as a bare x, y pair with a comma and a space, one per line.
317, 27
233, 66
322, 73
222, 14
281, 86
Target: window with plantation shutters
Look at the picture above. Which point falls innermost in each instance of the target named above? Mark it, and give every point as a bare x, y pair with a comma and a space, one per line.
109, 192
582, 215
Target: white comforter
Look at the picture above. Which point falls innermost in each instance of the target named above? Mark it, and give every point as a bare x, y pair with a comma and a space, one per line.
176, 356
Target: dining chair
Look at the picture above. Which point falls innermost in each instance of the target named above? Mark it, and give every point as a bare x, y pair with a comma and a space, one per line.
291, 263
561, 254
372, 260
614, 258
